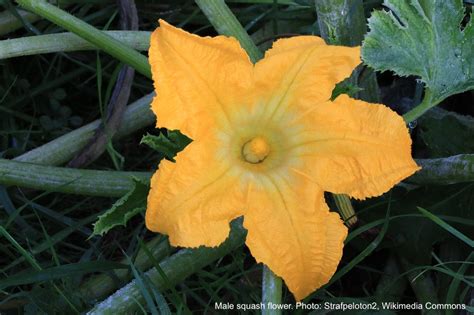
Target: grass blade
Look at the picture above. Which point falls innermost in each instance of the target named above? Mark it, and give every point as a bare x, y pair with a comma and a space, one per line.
447, 227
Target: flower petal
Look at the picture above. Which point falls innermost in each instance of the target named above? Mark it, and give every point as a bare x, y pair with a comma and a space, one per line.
300, 72
291, 230
355, 148
194, 199
196, 78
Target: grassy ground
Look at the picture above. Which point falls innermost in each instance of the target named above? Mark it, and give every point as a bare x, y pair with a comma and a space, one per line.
50, 265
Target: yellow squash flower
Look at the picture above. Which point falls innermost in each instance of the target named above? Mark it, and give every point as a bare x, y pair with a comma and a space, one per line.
267, 143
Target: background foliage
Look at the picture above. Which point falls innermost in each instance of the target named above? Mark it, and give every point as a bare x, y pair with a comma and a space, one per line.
412, 244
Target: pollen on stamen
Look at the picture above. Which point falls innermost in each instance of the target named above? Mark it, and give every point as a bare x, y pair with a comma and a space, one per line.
256, 150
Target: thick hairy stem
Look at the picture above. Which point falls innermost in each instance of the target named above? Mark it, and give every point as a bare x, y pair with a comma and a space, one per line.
443, 171
341, 22
67, 42
67, 180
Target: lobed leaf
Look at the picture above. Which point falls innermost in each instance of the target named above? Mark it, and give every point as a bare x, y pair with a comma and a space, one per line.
423, 38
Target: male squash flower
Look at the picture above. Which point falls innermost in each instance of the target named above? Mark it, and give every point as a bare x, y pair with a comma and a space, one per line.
267, 143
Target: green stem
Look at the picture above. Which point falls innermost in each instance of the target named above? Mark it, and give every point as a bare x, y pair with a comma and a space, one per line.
225, 23
345, 208
89, 33
271, 292
445, 171
137, 115
65, 42
427, 103
68, 180
176, 268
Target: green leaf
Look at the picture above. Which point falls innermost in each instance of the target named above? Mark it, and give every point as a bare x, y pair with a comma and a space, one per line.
133, 203
168, 145
423, 38
446, 133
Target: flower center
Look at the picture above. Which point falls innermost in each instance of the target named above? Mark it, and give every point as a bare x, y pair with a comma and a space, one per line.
256, 150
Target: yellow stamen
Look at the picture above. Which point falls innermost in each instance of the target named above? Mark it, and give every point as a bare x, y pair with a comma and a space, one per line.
256, 150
